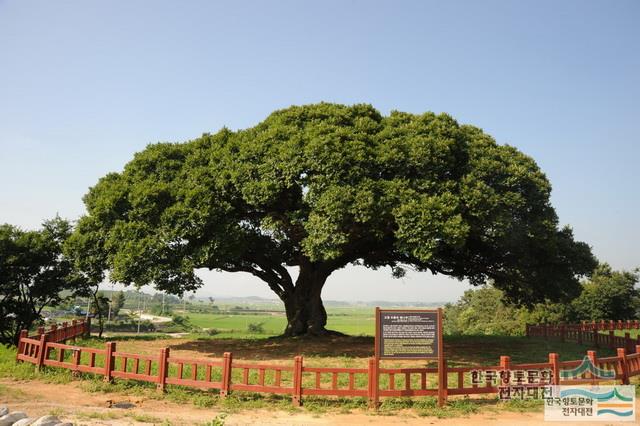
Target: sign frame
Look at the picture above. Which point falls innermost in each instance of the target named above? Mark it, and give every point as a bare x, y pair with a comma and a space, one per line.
378, 338
441, 361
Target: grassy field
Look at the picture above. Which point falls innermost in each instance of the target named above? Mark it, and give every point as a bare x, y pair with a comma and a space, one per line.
351, 321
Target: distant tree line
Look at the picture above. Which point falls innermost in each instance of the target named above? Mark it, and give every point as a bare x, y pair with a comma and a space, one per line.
608, 294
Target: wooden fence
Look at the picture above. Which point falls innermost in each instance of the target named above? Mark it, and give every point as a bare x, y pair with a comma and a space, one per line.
296, 379
30, 347
589, 333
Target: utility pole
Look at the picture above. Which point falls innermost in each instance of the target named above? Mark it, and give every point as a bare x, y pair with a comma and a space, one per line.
110, 303
139, 311
88, 308
162, 313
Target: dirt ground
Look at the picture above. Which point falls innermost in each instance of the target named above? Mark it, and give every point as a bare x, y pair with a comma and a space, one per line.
258, 349
71, 403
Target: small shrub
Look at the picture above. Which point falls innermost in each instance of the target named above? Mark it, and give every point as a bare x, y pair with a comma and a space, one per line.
179, 324
217, 421
255, 327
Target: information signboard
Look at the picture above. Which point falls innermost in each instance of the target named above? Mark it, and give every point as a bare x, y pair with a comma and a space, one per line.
408, 334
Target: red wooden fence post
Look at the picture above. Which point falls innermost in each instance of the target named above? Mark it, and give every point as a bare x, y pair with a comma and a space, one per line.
579, 336
23, 335
73, 328
109, 361
40, 331
596, 336
505, 365
611, 337
163, 369
373, 376
76, 362
296, 397
638, 349
594, 361
42, 349
554, 360
624, 367
442, 381
226, 374
628, 345
54, 333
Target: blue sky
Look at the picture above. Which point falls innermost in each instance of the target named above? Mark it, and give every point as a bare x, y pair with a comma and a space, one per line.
85, 84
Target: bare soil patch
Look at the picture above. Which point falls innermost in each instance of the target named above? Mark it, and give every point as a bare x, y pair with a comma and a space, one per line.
71, 403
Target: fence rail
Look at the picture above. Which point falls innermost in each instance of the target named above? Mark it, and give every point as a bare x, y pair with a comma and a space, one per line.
590, 333
298, 380
30, 348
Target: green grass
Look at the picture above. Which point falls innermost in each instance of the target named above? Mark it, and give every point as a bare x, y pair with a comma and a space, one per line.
144, 418
237, 325
462, 351
351, 321
632, 333
11, 369
477, 351
484, 350
99, 415
217, 421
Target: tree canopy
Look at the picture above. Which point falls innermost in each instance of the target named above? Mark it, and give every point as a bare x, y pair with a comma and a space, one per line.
322, 186
33, 273
608, 295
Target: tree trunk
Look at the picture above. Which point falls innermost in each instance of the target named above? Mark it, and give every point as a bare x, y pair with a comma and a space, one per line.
99, 313
304, 308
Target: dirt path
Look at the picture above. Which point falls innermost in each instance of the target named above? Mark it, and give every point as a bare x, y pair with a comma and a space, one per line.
71, 403
155, 318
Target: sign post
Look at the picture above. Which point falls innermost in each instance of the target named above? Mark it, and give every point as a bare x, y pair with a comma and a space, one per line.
412, 334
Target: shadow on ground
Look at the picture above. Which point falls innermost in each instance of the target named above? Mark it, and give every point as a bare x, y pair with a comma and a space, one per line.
282, 347
459, 350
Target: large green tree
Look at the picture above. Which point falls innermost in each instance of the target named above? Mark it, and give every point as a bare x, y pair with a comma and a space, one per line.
482, 311
33, 273
609, 294
319, 187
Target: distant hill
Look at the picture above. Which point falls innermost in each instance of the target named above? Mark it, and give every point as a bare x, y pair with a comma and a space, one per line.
334, 303
132, 297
